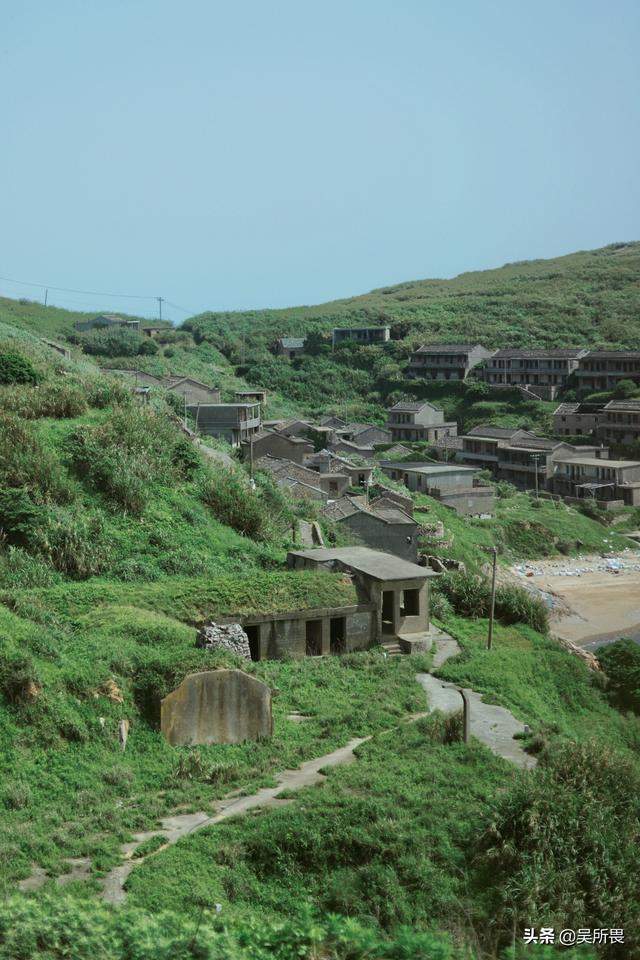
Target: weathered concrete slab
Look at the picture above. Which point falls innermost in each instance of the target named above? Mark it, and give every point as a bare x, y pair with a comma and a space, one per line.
217, 706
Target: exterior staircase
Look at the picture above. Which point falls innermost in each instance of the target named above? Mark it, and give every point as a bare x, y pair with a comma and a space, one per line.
392, 648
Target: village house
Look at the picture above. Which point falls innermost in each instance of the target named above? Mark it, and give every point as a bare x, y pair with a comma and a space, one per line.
290, 347
604, 369
191, 390
332, 421
457, 487
442, 361
380, 524
480, 445
271, 443
233, 422
398, 589
152, 332
608, 482
364, 434
347, 446
545, 372
411, 421
524, 458
104, 320
251, 396
576, 419
363, 335
619, 422
328, 462
333, 485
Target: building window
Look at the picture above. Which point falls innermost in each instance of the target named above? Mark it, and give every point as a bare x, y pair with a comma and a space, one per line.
410, 603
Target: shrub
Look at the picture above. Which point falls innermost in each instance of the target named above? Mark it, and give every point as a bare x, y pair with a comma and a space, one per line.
112, 342
621, 663
57, 400
73, 542
14, 368
26, 464
235, 504
20, 517
470, 596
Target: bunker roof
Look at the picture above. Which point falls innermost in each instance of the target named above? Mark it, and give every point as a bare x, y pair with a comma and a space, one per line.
372, 563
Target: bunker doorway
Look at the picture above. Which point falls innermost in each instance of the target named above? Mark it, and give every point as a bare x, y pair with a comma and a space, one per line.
253, 633
313, 636
388, 611
338, 635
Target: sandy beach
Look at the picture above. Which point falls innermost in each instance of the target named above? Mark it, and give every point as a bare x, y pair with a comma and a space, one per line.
593, 599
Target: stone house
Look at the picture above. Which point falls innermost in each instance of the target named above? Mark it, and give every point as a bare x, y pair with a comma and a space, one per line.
251, 396
455, 486
398, 589
274, 444
543, 371
523, 458
233, 422
346, 446
603, 369
104, 320
619, 422
446, 361
362, 335
480, 445
328, 462
194, 391
576, 419
603, 480
364, 434
290, 347
333, 485
381, 525
411, 421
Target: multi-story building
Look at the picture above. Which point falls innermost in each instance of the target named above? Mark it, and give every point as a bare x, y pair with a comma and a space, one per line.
480, 446
603, 369
362, 335
585, 477
457, 487
619, 422
576, 419
446, 361
545, 371
418, 421
233, 422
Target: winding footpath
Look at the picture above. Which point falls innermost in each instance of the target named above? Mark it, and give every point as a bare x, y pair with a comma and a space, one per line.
492, 725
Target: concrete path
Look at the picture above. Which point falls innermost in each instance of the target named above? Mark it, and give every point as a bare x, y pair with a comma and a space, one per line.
493, 725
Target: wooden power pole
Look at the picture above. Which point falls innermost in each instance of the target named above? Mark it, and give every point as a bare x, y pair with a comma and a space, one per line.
493, 599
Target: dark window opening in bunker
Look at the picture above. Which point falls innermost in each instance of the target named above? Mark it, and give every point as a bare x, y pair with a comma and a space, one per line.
338, 634
313, 635
253, 633
410, 603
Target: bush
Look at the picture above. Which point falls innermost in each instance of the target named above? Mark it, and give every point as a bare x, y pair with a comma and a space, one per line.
27, 465
621, 663
148, 348
470, 596
57, 400
235, 504
14, 368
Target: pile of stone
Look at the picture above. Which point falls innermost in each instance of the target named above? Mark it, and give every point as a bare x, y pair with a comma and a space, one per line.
224, 636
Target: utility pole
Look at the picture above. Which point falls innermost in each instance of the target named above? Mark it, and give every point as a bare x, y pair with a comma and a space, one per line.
160, 302
493, 599
536, 458
46, 296
251, 458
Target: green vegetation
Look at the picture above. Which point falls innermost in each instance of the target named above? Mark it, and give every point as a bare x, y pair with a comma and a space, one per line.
621, 663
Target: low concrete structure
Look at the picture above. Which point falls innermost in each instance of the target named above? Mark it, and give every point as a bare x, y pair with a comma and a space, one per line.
381, 525
104, 320
252, 396
446, 361
310, 633
457, 487
233, 422
272, 443
217, 706
191, 390
398, 589
413, 421
362, 335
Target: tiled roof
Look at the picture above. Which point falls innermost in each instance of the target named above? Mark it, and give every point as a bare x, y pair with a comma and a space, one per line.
542, 353
405, 406
632, 406
493, 433
447, 348
613, 354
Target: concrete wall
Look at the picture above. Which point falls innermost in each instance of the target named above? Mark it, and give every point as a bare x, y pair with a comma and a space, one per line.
195, 393
217, 706
397, 538
281, 635
469, 501
279, 445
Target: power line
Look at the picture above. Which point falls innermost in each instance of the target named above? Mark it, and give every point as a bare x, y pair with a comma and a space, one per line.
90, 293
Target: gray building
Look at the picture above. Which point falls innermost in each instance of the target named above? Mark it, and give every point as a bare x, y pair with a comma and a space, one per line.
290, 347
480, 445
364, 434
398, 589
603, 480
412, 421
455, 486
576, 419
382, 526
105, 320
446, 361
274, 444
193, 391
603, 369
328, 462
363, 335
619, 423
543, 371
233, 422
332, 485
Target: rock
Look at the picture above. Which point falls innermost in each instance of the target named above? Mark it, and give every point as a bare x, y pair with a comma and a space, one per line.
123, 733
111, 691
224, 636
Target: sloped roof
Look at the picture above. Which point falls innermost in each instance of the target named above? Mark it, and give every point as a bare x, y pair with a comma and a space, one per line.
449, 348
495, 433
627, 406
405, 406
292, 343
564, 353
373, 563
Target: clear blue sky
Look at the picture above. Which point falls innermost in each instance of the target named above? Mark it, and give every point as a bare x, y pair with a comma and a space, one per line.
246, 154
